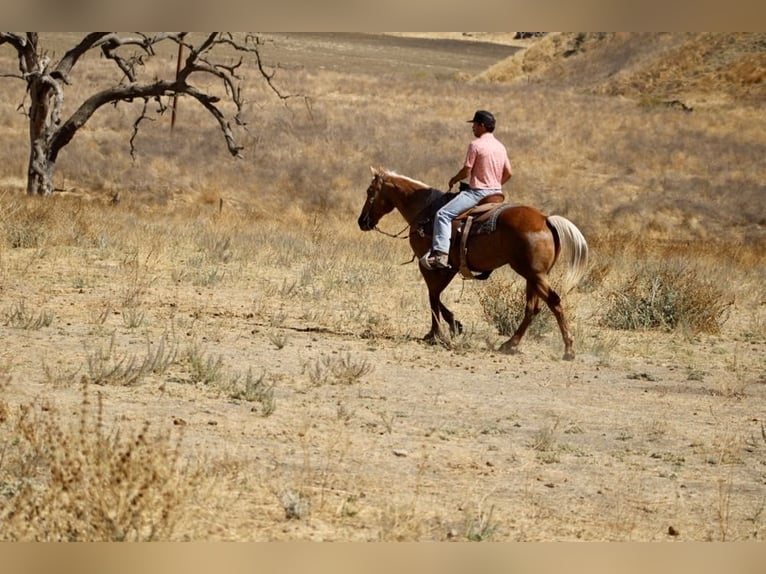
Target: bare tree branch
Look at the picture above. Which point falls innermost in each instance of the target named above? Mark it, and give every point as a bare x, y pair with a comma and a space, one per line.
71, 58
139, 119
46, 80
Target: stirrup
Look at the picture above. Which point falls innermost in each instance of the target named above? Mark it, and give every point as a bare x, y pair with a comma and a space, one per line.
434, 262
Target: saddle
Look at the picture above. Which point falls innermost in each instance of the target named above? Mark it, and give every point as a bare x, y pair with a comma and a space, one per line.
485, 206
477, 220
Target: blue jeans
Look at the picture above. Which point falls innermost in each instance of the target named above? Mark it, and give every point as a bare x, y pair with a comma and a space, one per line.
443, 222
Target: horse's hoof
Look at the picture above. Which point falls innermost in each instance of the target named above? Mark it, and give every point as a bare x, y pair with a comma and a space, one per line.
509, 349
569, 356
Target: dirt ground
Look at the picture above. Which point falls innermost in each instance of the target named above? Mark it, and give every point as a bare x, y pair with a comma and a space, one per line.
645, 436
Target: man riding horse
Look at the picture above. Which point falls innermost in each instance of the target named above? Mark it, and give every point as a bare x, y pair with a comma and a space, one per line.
487, 163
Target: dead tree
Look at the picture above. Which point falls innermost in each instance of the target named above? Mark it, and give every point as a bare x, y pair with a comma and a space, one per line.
46, 81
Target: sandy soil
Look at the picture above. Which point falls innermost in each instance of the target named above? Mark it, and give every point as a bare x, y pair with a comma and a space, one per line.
643, 437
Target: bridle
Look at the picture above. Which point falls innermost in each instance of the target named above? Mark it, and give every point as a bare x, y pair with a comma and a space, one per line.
399, 235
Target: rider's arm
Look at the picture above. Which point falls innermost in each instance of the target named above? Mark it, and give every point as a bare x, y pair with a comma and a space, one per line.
464, 172
507, 173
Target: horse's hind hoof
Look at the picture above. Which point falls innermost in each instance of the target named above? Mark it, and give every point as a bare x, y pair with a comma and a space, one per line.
509, 349
569, 356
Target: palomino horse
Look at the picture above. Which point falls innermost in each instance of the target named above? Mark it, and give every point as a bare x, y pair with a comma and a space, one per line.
523, 237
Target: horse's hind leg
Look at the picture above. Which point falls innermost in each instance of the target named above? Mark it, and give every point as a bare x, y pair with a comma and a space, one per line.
539, 288
554, 304
455, 326
531, 309
553, 301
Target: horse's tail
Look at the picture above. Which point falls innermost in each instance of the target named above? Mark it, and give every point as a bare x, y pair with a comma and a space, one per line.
573, 247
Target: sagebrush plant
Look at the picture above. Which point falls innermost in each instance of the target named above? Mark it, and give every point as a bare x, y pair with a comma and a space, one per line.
80, 480
481, 527
19, 316
251, 389
204, 368
343, 369
106, 365
504, 304
669, 294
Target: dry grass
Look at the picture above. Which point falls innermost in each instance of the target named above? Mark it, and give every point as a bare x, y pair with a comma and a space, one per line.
653, 67
84, 482
239, 303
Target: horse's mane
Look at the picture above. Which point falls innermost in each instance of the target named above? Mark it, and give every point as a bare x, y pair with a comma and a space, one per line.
413, 184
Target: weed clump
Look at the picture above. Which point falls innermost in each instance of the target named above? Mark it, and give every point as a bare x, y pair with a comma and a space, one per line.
668, 295
81, 482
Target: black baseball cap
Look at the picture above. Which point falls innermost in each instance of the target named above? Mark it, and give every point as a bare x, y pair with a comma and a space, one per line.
483, 117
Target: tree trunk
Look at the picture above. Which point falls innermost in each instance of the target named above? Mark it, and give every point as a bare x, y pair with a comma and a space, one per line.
41, 168
41, 165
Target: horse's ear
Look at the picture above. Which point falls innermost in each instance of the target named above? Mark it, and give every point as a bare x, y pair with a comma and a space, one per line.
374, 171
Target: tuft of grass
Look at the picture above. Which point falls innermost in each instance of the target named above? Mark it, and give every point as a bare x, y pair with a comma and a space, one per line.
5, 381
343, 370
278, 338
105, 366
481, 527
545, 442
205, 369
255, 390
133, 317
19, 316
217, 247
295, 504
668, 295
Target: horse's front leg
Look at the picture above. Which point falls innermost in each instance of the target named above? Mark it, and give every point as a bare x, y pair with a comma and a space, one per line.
435, 333
455, 326
437, 281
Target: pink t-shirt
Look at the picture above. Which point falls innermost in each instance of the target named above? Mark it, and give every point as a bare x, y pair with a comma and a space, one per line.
486, 157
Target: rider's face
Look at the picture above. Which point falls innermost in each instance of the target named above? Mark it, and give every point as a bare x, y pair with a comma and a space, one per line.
478, 128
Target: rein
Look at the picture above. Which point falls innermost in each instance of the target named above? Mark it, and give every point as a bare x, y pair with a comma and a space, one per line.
397, 236
393, 235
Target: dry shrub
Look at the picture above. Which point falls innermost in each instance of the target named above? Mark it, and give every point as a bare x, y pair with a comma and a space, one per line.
667, 295
26, 223
35, 222
63, 482
504, 303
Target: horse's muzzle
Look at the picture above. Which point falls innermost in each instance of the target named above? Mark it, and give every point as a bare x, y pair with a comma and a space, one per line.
364, 223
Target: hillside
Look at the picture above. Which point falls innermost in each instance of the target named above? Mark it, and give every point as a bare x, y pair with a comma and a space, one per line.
695, 67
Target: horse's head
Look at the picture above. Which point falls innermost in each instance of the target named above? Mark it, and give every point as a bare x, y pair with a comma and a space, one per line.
377, 204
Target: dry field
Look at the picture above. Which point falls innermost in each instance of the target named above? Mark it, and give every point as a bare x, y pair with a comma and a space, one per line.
198, 348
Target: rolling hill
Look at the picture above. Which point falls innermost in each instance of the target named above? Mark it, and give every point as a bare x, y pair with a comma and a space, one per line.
698, 68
